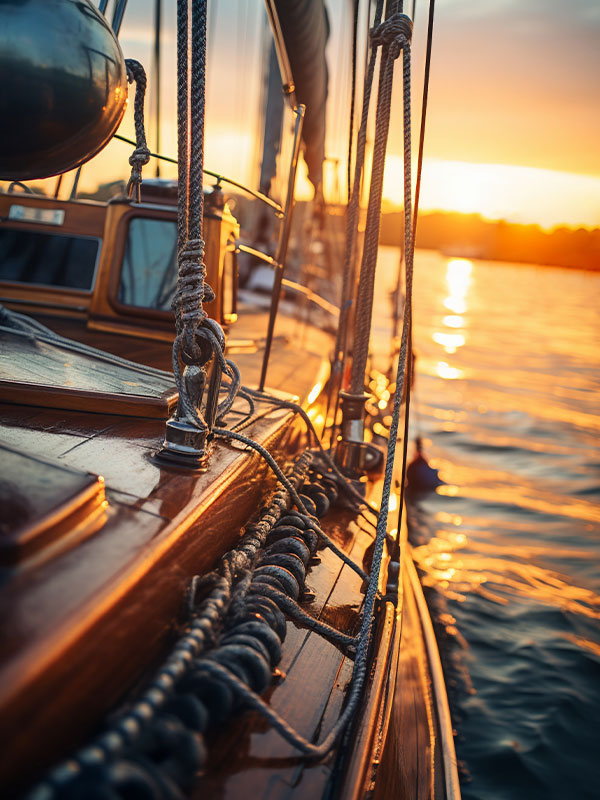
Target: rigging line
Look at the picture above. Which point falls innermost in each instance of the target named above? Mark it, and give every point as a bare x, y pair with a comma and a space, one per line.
395, 554
344, 482
282, 244
21, 325
423, 114
390, 34
118, 14
226, 433
157, 70
356, 4
352, 218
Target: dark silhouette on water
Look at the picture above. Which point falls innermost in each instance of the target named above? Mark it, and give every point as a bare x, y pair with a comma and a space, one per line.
420, 477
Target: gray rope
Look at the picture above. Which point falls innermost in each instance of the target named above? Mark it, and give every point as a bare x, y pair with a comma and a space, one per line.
225, 433
141, 155
22, 325
293, 610
230, 578
393, 35
193, 345
365, 635
344, 483
352, 212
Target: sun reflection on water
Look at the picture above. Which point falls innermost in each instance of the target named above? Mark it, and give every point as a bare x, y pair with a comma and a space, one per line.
444, 370
497, 572
449, 341
458, 279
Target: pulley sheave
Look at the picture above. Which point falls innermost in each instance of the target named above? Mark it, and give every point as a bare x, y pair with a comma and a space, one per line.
64, 86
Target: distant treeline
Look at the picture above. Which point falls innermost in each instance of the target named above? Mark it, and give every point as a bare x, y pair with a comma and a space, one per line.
469, 235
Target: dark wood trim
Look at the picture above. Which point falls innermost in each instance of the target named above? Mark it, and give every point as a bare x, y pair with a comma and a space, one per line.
63, 397
74, 516
58, 679
360, 764
82, 217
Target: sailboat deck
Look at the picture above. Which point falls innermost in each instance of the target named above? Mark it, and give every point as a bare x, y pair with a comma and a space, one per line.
81, 625
131, 562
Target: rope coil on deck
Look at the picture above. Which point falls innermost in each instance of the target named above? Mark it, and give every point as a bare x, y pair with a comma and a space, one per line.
237, 624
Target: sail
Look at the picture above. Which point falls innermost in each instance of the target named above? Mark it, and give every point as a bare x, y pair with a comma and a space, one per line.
305, 29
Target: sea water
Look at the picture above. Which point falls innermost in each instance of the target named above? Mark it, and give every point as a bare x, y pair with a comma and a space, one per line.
506, 398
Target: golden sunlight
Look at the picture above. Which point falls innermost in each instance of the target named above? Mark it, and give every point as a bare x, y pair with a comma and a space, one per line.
501, 191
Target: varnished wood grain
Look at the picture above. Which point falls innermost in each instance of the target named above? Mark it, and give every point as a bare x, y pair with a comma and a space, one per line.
126, 589
84, 625
251, 759
42, 502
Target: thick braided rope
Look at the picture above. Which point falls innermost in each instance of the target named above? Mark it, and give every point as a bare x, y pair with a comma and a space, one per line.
346, 486
393, 35
225, 433
182, 125
191, 289
293, 610
141, 155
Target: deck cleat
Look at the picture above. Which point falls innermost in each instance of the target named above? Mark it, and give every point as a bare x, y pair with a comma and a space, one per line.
185, 445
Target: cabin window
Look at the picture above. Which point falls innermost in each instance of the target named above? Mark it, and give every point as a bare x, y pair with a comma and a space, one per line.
149, 272
48, 259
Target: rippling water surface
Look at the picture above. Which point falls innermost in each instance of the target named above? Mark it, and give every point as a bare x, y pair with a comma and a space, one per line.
506, 398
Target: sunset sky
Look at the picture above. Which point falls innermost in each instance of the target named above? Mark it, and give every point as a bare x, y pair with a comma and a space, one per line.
513, 125
514, 82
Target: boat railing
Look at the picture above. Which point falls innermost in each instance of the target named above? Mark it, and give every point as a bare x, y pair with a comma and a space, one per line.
219, 177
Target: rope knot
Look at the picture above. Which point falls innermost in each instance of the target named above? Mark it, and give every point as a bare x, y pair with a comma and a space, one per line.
141, 155
192, 251
393, 33
139, 158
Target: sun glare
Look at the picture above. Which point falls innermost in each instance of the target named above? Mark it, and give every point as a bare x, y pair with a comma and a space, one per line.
500, 191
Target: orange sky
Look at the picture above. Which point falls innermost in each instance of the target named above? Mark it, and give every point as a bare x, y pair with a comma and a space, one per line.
514, 109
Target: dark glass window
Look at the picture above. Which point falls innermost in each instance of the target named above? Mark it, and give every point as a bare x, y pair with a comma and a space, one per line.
149, 272
48, 259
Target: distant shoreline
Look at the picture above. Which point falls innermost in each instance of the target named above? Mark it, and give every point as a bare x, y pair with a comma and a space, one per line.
470, 236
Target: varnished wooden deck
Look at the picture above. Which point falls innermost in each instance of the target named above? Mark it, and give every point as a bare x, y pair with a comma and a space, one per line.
79, 630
